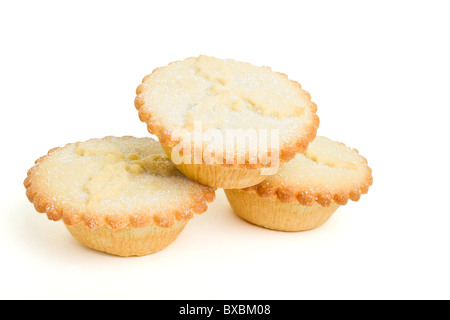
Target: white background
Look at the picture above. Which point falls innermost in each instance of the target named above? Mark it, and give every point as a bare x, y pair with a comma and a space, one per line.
379, 72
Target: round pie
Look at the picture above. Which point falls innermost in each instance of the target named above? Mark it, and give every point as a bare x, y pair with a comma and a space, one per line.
307, 190
224, 123
118, 195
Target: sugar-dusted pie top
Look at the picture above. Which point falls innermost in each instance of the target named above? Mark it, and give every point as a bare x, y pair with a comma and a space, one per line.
114, 181
328, 171
226, 94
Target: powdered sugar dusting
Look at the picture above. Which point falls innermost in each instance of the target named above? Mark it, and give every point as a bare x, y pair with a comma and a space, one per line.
226, 94
68, 177
326, 165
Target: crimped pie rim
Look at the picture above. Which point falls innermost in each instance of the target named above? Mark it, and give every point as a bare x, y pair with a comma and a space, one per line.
71, 216
287, 151
303, 195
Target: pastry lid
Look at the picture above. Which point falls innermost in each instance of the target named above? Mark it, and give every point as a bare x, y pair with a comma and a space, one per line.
115, 182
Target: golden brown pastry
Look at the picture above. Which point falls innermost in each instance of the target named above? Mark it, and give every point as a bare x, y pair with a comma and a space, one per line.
307, 190
201, 101
118, 195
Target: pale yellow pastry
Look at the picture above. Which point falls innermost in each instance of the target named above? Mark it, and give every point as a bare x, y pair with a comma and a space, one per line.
194, 106
118, 195
307, 190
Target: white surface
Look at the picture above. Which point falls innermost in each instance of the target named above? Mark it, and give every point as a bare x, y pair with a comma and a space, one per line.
379, 73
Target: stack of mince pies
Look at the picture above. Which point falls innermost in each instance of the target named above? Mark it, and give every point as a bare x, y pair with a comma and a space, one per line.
220, 124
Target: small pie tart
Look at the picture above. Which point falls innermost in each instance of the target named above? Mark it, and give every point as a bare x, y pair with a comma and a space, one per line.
118, 195
307, 190
194, 106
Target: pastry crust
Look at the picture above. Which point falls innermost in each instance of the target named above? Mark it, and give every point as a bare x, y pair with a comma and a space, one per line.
277, 215
301, 131
39, 192
219, 176
127, 242
339, 174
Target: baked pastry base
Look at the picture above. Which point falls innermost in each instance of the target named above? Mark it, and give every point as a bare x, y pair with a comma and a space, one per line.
127, 241
276, 215
217, 176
